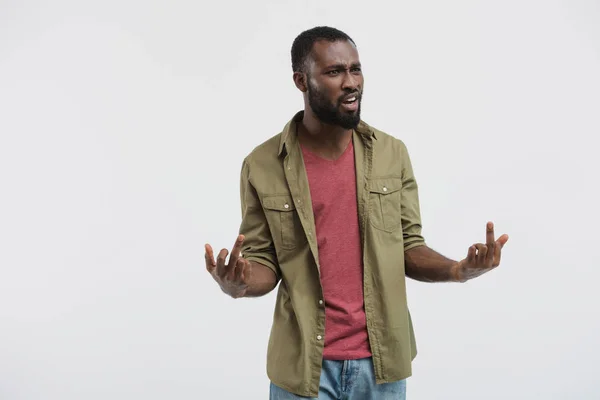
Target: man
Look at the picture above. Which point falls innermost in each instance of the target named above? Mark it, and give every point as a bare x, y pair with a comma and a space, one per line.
330, 211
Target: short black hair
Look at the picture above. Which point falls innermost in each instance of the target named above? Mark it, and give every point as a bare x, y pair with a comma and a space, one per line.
304, 42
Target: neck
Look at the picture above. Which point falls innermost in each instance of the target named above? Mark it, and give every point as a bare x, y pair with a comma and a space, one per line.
327, 140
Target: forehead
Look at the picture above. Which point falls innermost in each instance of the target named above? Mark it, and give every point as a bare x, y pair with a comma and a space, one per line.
326, 53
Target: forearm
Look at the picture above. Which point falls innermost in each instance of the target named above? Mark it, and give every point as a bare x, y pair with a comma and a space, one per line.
426, 265
263, 280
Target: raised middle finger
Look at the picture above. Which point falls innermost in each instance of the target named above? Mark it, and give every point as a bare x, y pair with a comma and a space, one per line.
489, 234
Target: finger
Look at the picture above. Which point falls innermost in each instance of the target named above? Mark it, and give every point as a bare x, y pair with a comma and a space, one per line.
472, 255
489, 234
236, 250
221, 266
239, 269
209, 258
245, 271
481, 253
490, 243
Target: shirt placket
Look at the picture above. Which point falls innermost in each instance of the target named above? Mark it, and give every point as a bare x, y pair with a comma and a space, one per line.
364, 162
297, 181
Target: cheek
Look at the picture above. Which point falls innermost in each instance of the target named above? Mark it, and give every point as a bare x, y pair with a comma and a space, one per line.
325, 91
324, 94
331, 94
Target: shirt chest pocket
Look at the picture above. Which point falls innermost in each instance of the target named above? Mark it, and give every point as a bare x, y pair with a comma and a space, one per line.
385, 203
283, 218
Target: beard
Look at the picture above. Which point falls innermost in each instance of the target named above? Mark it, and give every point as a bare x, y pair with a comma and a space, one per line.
329, 113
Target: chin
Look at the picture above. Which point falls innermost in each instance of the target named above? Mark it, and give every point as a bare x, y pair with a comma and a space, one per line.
349, 124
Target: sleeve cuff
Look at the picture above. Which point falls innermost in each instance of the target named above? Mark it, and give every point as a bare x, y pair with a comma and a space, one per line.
412, 245
267, 263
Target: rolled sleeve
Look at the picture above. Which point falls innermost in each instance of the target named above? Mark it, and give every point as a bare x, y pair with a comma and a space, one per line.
411, 214
258, 244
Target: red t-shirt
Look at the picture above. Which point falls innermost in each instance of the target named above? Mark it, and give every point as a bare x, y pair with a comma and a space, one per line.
333, 192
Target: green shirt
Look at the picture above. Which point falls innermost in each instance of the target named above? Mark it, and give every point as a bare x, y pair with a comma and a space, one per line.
278, 223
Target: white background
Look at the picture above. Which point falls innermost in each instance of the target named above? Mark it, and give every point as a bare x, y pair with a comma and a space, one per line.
123, 127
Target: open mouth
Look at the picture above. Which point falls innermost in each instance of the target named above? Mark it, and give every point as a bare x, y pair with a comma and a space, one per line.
350, 100
350, 103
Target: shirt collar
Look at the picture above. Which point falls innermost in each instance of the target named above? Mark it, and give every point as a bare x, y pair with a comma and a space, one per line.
291, 128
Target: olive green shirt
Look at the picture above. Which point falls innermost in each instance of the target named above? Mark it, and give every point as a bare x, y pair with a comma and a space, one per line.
278, 223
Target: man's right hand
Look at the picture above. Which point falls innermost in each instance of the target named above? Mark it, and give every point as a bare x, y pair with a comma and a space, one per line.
233, 277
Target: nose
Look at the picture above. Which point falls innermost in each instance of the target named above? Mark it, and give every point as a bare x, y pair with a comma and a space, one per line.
351, 82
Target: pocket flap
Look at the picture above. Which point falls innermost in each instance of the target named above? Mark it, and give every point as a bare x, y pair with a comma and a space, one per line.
385, 185
278, 203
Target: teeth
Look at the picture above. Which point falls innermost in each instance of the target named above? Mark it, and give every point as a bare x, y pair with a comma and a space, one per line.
350, 100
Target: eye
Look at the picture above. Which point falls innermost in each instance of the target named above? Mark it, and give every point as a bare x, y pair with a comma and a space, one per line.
357, 69
333, 72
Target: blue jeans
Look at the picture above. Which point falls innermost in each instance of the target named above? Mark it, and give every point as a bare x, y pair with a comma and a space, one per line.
348, 380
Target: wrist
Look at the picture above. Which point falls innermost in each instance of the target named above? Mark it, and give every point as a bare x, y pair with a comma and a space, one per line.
455, 272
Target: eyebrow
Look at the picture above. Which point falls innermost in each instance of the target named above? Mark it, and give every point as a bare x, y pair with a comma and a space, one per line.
343, 66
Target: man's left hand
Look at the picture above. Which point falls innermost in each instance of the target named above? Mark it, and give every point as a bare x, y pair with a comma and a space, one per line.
481, 258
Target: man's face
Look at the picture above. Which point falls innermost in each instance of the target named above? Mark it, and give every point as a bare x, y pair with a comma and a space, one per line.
335, 83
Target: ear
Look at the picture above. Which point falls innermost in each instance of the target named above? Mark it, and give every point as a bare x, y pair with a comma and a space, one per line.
300, 81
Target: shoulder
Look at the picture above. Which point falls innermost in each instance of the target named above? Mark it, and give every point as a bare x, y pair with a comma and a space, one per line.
263, 166
384, 139
390, 155
264, 153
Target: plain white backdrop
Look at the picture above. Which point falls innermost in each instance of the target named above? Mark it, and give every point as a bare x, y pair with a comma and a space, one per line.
123, 125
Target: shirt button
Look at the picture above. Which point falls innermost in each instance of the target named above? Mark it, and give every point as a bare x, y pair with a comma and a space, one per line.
319, 337
320, 301
286, 206
384, 189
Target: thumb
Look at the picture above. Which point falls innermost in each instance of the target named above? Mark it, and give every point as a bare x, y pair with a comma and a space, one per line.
502, 240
